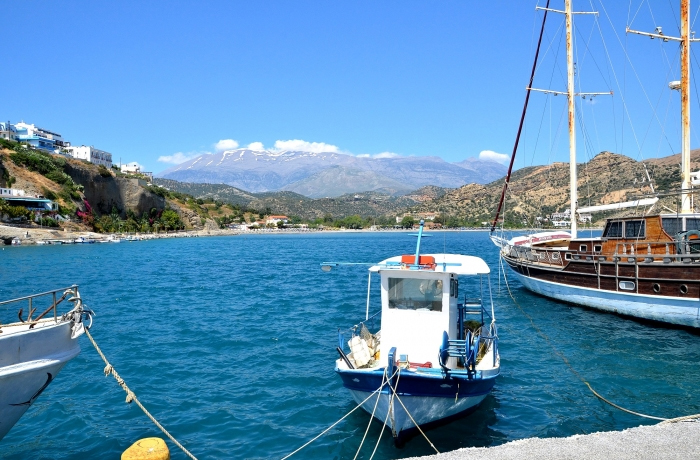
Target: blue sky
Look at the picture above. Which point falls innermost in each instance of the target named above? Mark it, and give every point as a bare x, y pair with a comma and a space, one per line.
150, 81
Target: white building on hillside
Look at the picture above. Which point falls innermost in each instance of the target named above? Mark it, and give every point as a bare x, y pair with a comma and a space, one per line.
131, 168
274, 220
89, 153
39, 138
8, 131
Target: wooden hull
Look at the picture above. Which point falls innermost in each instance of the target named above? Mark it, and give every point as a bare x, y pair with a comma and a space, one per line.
657, 291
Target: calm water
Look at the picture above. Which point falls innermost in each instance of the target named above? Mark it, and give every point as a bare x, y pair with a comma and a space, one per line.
230, 342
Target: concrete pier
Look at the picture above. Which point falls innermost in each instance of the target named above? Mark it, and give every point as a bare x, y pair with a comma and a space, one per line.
662, 441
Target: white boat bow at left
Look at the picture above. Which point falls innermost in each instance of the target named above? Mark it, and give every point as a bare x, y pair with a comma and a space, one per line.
434, 358
34, 350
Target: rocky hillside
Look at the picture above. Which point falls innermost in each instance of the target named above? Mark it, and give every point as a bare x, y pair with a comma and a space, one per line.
540, 190
95, 198
369, 204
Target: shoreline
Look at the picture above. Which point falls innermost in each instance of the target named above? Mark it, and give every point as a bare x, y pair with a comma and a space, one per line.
39, 236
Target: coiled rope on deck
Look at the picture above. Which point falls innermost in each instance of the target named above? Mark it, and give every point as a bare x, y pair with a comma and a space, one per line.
131, 397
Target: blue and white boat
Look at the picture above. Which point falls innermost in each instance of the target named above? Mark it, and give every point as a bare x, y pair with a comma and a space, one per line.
434, 357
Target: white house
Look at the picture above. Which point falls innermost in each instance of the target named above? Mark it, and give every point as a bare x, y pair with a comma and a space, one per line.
131, 168
273, 220
39, 138
8, 131
89, 153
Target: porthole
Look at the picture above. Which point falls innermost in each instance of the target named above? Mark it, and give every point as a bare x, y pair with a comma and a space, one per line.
626, 285
583, 248
684, 289
656, 288
597, 248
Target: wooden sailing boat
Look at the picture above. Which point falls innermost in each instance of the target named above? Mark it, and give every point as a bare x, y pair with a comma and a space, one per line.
646, 266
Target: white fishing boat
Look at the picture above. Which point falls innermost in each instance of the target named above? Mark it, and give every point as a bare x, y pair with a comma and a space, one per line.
645, 265
34, 350
435, 357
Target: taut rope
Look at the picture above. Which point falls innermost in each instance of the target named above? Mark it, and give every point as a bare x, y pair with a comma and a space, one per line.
131, 397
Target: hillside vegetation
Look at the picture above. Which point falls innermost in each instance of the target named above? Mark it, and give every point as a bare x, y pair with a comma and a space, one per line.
540, 190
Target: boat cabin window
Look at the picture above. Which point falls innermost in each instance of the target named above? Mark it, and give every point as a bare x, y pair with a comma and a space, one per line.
583, 248
692, 223
597, 248
672, 225
415, 294
613, 230
454, 288
634, 229
626, 285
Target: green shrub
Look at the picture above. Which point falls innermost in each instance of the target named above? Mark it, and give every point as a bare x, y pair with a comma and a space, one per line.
48, 193
104, 172
48, 222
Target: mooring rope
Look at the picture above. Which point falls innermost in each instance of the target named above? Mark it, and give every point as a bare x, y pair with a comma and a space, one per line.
131, 397
414, 422
376, 403
566, 361
332, 426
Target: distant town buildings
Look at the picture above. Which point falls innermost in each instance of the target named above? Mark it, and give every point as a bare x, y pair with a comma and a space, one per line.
563, 219
274, 220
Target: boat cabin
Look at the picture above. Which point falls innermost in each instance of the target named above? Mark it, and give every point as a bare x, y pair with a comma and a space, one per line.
420, 302
665, 234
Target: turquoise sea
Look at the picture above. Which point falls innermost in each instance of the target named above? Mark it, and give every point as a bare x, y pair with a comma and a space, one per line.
230, 343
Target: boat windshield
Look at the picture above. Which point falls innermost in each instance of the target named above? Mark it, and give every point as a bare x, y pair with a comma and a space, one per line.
415, 294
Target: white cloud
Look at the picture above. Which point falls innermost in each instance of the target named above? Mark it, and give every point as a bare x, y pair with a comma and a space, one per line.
225, 144
379, 155
303, 146
257, 146
386, 155
180, 157
490, 155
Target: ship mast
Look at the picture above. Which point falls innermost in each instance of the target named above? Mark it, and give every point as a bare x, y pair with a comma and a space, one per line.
570, 93
684, 87
686, 198
573, 186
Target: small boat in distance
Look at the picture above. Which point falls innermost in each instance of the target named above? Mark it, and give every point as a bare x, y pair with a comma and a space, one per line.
34, 350
434, 357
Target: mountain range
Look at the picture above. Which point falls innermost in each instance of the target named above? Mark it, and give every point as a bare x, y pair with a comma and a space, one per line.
329, 174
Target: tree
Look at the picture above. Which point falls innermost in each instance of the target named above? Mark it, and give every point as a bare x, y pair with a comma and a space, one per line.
407, 222
170, 219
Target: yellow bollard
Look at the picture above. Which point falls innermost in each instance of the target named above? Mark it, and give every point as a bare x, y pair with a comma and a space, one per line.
147, 449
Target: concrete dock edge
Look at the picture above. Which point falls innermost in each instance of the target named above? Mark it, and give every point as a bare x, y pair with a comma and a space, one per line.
662, 441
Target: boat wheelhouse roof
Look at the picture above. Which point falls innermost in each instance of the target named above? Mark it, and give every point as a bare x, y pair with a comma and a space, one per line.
457, 264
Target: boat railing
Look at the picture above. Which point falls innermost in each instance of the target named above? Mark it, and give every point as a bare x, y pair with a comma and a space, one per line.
57, 296
370, 324
549, 257
646, 252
